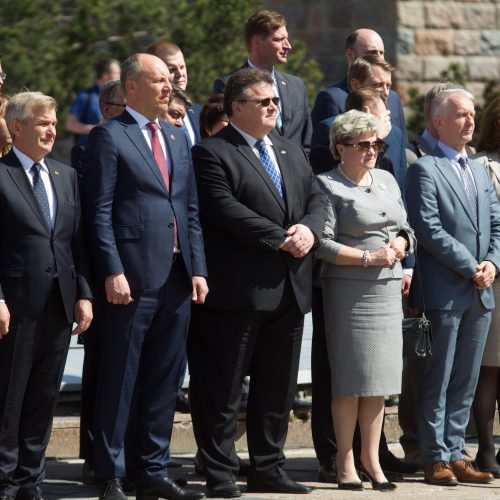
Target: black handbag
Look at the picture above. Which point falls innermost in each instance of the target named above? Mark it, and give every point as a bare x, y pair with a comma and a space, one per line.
417, 337
417, 332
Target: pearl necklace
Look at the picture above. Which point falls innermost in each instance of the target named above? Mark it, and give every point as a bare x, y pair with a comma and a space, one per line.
339, 168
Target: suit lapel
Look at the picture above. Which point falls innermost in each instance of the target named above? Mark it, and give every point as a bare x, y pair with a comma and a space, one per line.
173, 148
136, 137
23, 184
55, 177
449, 173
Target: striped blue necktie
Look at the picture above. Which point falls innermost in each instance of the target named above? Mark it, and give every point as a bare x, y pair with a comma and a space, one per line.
41, 193
470, 188
269, 166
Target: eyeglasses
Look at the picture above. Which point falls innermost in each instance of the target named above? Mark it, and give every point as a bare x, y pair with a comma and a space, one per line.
3, 76
263, 102
115, 104
365, 146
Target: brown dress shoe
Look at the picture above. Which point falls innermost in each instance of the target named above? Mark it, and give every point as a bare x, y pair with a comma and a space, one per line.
466, 473
440, 473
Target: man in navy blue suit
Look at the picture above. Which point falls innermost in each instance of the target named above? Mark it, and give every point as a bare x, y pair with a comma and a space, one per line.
331, 101
141, 214
172, 56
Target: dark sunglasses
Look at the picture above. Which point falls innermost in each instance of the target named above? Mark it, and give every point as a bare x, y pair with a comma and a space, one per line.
115, 104
365, 146
263, 102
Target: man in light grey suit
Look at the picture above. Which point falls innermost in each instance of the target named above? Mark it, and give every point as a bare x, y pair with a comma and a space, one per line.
456, 217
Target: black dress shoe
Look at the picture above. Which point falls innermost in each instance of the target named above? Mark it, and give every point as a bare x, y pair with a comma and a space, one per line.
225, 489
165, 488
327, 473
355, 486
283, 484
112, 490
390, 463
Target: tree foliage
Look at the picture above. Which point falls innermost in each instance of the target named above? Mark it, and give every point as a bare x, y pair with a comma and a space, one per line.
52, 46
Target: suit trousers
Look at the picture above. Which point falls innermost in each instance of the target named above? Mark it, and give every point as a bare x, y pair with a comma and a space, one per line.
32, 359
223, 347
449, 379
141, 348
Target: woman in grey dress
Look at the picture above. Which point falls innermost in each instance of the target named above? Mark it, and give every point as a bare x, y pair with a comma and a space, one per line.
365, 237
488, 386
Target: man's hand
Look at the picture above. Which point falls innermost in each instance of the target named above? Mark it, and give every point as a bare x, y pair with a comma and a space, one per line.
299, 241
405, 285
83, 316
4, 320
484, 275
117, 290
200, 289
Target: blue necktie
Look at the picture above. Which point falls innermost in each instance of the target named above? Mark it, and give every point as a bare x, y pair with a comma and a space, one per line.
470, 189
41, 193
269, 166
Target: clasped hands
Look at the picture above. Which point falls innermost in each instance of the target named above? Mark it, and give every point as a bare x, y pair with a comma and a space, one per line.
484, 275
388, 255
299, 240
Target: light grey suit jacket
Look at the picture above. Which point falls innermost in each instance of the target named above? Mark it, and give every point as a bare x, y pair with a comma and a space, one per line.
451, 242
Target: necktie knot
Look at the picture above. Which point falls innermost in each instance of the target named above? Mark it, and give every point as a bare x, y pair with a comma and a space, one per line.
462, 161
153, 126
36, 168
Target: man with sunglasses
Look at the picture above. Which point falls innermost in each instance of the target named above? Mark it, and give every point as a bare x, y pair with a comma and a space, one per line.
266, 38
261, 212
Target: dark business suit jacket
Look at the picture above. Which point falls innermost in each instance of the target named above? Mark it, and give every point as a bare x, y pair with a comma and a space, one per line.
295, 111
130, 211
30, 252
244, 221
194, 117
331, 102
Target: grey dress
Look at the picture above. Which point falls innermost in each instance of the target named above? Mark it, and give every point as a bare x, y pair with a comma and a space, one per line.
363, 309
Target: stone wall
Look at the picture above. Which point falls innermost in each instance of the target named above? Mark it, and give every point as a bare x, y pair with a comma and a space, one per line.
422, 37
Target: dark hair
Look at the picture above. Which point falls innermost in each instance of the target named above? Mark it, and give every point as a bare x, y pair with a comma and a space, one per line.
358, 98
262, 23
163, 49
211, 112
103, 66
178, 93
108, 91
239, 81
489, 130
361, 68
351, 40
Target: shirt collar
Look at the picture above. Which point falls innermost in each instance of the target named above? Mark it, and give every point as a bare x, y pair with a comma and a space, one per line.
250, 139
252, 65
27, 162
141, 120
452, 154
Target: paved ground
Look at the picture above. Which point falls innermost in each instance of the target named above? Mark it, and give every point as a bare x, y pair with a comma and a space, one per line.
63, 482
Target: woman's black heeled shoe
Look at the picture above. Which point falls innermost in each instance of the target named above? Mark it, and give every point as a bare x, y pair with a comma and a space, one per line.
354, 486
383, 486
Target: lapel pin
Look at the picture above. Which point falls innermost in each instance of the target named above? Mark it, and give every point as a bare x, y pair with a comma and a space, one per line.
283, 83
56, 172
172, 136
283, 152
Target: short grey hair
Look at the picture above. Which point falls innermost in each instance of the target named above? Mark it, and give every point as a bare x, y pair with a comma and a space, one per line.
349, 126
131, 69
442, 98
22, 106
108, 91
434, 92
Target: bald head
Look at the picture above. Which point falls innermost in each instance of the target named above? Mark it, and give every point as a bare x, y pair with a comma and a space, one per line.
362, 42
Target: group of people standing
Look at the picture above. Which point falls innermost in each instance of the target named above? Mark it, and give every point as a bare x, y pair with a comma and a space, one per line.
210, 244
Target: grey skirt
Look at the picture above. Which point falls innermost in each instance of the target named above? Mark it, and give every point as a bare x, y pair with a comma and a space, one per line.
364, 336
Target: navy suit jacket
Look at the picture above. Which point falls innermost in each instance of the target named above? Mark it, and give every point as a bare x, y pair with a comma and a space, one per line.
129, 212
295, 112
450, 242
331, 102
194, 118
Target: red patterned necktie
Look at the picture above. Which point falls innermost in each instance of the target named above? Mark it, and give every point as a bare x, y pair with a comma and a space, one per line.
161, 161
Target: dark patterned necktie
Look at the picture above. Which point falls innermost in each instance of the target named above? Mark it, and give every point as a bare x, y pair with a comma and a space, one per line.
269, 165
41, 193
470, 188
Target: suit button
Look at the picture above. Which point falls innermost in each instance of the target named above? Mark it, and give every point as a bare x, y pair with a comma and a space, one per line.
171, 224
383, 214
386, 241
48, 270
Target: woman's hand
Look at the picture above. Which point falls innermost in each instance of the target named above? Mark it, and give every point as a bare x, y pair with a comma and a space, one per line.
384, 256
399, 245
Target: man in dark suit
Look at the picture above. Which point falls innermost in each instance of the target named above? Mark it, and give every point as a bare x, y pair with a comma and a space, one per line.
454, 211
172, 56
43, 289
141, 215
261, 213
331, 101
266, 38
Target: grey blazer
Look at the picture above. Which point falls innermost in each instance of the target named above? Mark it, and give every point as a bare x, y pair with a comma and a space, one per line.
366, 218
451, 242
